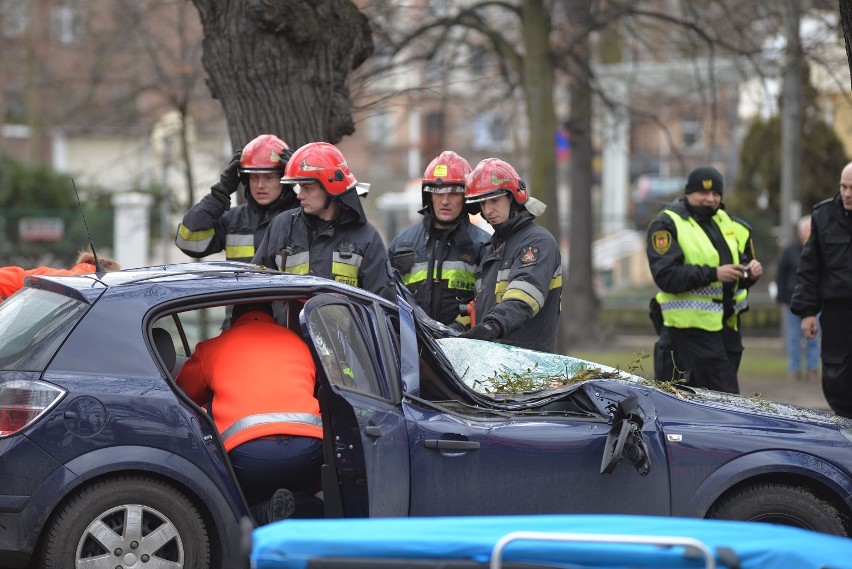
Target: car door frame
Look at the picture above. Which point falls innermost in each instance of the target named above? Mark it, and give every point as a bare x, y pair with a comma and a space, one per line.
366, 471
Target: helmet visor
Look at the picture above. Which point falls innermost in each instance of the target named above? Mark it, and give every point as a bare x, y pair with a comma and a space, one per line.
488, 196
444, 189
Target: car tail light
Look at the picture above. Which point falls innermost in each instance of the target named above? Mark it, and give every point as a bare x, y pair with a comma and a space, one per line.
23, 402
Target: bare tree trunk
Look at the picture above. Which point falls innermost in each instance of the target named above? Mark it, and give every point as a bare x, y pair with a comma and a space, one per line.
282, 67
538, 76
846, 23
791, 124
579, 320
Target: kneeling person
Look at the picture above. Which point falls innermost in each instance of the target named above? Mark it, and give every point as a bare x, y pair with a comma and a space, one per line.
260, 378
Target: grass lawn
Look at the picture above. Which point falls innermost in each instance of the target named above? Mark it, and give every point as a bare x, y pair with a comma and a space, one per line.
759, 362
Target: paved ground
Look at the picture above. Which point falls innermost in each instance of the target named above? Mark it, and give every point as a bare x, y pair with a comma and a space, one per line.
776, 389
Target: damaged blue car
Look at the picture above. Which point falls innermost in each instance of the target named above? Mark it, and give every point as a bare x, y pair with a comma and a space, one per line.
104, 461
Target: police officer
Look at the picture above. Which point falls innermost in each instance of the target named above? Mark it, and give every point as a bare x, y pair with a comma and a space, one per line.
212, 224
329, 235
438, 258
824, 287
519, 285
694, 252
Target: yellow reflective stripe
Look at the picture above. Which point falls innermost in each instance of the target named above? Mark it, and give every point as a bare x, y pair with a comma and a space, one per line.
523, 296
556, 282
241, 251
460, 280
302, 269
295, 264
418, 274
464, 320
346, 270
499, 290
195, 241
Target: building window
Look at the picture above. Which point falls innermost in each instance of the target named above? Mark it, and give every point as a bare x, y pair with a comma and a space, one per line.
380, 131
15, 111
490, 132
65, 24
15, 18
690, 132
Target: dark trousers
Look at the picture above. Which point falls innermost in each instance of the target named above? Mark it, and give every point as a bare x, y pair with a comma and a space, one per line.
708, 359
836, 323
264, 465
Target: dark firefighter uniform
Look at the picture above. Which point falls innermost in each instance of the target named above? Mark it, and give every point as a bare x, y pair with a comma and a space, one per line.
824, 287
347, 250
212, 225
451, 256
520, 284
700, 312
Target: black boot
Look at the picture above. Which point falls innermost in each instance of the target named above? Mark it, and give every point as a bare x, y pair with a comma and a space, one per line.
280, 506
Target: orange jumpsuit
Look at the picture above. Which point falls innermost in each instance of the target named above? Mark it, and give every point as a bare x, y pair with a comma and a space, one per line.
260, 377
12, 278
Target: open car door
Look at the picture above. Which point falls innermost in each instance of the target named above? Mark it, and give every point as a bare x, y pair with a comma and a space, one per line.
366, 467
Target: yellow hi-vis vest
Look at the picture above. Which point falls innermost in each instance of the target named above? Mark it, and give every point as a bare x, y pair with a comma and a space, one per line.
702, 307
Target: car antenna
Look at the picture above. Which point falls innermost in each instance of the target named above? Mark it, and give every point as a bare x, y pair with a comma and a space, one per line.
98, 267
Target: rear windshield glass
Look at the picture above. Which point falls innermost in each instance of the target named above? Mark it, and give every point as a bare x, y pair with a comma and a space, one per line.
33, 324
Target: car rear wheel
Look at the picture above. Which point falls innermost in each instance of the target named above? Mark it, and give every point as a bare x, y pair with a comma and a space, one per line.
780, 504
126, 520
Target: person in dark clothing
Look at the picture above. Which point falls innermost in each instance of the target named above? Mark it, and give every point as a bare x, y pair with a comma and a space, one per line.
329, 235
438, 258
824, 287
212, 225
700, 258
519, 284
788, 264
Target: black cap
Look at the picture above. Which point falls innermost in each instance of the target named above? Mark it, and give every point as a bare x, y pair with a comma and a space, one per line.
704, 178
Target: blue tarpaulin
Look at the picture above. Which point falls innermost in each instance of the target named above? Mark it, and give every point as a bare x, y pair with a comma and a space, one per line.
291, 544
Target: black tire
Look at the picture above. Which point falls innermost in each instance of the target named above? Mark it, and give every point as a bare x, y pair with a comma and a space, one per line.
780, 504
119, 521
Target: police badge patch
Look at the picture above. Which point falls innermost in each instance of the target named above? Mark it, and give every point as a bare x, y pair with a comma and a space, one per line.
661, 241
529, 256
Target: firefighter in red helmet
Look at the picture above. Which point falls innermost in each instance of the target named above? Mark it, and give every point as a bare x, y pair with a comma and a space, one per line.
328, 235
212, 224
437, 259
519, 285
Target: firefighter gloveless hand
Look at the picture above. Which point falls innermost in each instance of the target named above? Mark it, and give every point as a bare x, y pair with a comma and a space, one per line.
485, 331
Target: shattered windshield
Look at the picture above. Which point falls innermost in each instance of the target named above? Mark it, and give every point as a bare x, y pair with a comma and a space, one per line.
489, 367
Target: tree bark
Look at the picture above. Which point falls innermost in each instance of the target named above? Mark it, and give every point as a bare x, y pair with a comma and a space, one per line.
538, 74
579, 321
846, 24
282, 67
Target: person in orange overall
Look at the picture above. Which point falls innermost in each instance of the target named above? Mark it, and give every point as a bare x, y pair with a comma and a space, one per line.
12, 277
260, 378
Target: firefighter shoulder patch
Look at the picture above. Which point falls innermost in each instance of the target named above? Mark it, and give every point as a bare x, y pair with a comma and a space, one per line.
661, 241
529, 256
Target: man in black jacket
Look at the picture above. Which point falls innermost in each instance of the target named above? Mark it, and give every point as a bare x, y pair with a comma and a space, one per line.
788, 264
519, 285
824, 287
437, 259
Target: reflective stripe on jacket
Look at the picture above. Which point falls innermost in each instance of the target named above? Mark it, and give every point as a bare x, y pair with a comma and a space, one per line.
520, 284
702, 307
453, 256
260, 377
350, 252
210, 227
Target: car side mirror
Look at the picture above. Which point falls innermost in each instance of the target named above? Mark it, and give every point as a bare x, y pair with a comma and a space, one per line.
626, 435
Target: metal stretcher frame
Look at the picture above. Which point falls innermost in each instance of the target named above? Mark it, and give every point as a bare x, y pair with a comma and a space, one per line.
691, 545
